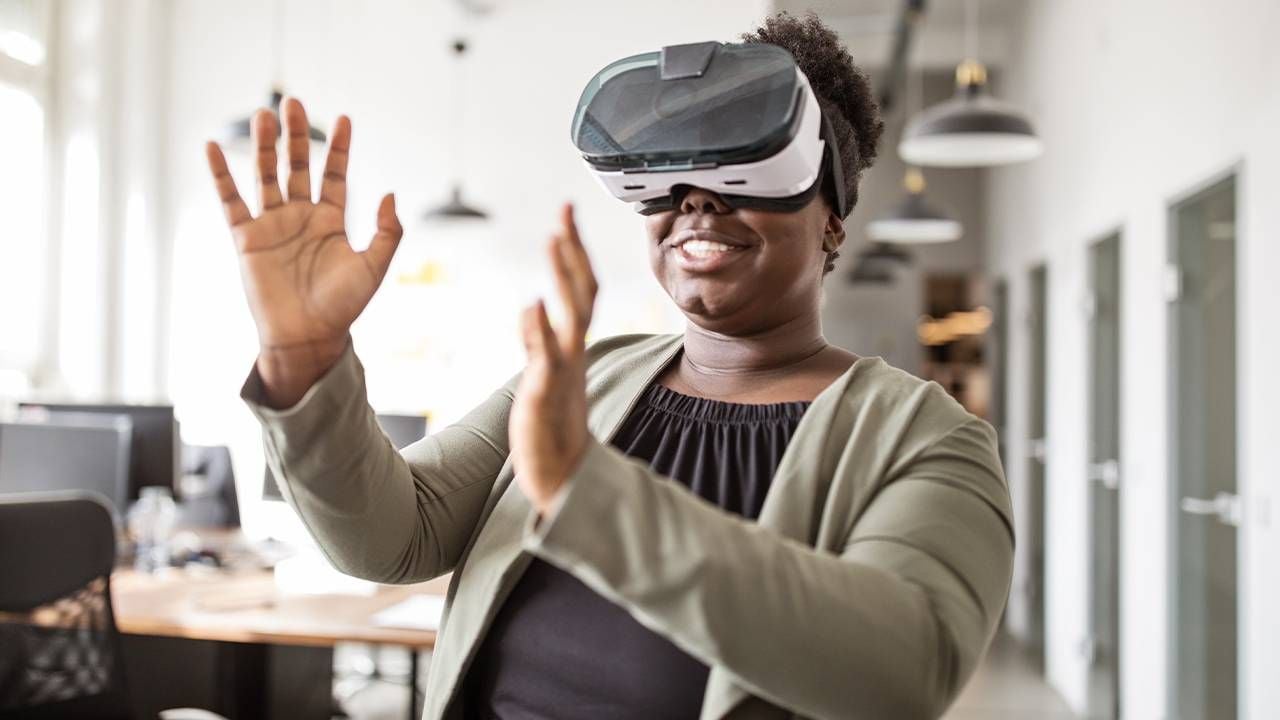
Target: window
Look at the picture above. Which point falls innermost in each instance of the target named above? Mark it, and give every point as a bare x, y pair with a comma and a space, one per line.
24, 240
23, 243
23, 26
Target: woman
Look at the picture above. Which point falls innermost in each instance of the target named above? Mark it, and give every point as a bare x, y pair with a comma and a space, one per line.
775, 527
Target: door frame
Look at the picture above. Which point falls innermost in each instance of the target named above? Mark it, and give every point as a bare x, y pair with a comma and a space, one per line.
1233, 171
1094, 245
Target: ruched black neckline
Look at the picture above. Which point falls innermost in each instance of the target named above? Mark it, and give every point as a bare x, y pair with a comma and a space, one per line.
663, 399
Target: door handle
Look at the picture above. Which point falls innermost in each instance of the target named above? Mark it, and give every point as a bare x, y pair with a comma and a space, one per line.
1106, 472
1225, 506
1038, 449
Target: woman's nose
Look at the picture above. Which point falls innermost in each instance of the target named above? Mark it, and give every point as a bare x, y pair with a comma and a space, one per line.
700, 200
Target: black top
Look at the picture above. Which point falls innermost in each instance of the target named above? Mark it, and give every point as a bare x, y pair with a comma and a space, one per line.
558, 650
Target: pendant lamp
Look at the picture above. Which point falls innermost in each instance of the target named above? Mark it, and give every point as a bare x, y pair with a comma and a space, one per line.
972, 129
455, 208
239, 133
870, 273
914, 220
875, 264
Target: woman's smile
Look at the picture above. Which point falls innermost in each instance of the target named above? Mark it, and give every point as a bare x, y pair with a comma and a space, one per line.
702, 250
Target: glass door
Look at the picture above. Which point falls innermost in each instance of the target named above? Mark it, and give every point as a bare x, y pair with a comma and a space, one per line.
1102, 648
1037, 451
1000, 355
1206, 509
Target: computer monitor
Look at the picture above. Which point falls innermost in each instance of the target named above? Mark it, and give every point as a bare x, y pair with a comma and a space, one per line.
87, 452
402, 430
155, 459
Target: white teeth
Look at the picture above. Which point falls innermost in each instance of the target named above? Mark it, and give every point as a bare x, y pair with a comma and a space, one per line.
705, 248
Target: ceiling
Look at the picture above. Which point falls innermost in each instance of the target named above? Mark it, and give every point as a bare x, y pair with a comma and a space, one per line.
867, 27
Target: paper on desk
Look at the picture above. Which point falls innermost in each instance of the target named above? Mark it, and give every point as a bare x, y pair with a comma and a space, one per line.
416, 612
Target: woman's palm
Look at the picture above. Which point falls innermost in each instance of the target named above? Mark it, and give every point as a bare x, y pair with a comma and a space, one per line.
310, 283
304, 282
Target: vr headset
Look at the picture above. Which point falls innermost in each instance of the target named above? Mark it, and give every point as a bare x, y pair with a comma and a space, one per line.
737, 119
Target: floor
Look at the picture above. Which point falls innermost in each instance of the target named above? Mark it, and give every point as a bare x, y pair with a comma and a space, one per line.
1006, 687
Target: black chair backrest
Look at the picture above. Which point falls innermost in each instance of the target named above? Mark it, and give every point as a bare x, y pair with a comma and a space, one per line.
52, 545
59, 646
211, 501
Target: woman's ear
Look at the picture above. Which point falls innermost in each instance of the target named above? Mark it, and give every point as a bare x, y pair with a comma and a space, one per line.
833, 234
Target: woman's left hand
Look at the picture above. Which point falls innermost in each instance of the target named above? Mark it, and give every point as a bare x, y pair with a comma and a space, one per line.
548, 426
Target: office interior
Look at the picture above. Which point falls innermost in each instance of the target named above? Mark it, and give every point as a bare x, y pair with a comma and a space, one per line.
1109, 307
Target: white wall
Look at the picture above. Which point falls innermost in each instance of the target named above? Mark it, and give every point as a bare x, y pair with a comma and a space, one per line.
1139, 102
439, 349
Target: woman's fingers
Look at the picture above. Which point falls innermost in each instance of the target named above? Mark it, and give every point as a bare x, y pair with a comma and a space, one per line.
539, 338
573, 338
574, 335
232, 204
575, 255
385, 241
298, 150
265, 133
333, 188
575, 281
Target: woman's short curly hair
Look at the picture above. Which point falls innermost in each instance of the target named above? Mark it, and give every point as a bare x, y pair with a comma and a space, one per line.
843, 91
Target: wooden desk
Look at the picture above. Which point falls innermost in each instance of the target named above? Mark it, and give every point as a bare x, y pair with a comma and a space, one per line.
187, 605
245, 609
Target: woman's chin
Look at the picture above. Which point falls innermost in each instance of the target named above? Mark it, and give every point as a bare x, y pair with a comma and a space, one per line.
710, 301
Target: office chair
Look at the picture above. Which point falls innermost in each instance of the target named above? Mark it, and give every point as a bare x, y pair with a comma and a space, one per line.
59, 647
207, 488
60, 653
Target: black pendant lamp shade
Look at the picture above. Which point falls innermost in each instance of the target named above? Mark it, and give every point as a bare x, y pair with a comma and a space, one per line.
455, 209
884, 252
972, 129
241, 131
875, 264
870, 273
914, 220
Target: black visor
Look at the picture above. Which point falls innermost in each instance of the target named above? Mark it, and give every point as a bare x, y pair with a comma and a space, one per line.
713, 103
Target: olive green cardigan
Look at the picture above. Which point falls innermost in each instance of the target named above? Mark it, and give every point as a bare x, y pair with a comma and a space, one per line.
869, 587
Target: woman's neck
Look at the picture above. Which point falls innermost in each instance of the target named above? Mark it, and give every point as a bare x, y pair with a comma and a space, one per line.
776, 349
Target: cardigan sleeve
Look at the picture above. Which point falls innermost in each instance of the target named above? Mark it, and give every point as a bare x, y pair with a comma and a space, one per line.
376, 513
890, 626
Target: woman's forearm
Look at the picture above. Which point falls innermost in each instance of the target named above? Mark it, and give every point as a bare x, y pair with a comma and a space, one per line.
890, 625
378, 513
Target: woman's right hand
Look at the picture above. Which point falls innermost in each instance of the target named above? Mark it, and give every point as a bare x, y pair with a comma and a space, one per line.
304, 282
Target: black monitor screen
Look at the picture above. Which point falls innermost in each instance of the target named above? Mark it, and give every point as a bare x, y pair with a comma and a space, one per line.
155, 457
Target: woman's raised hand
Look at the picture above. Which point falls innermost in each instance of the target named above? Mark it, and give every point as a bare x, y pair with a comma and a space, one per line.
548, 423
304, 282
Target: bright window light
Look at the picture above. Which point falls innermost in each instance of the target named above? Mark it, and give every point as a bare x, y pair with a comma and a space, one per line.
24, 27
21, 47
23, 245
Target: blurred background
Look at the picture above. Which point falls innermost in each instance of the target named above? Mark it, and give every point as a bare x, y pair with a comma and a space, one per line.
1108, 302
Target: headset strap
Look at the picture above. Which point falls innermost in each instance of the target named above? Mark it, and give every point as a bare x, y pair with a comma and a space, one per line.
832, 149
